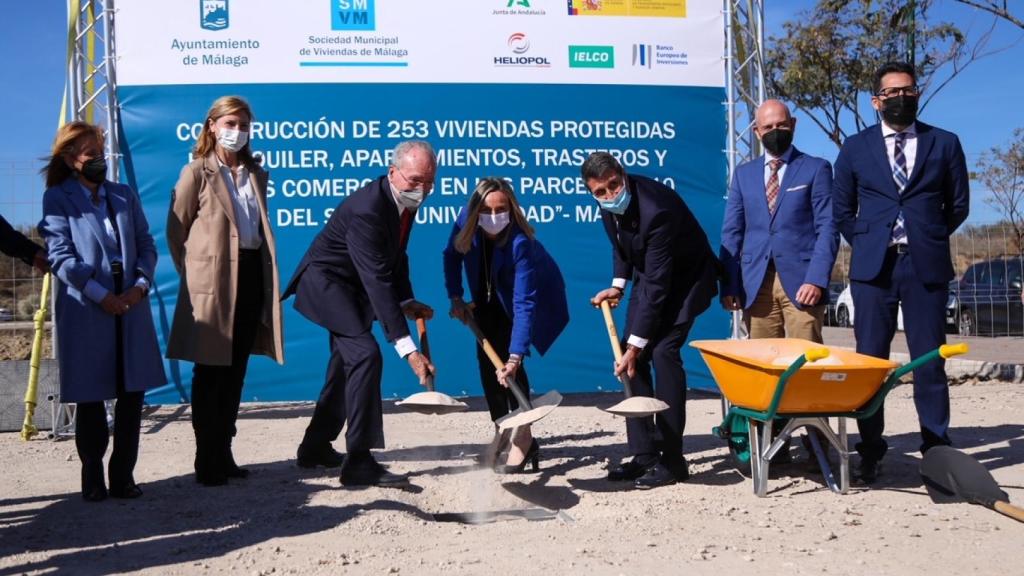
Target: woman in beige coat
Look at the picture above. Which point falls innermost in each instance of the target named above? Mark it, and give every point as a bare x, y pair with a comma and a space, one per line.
222, 244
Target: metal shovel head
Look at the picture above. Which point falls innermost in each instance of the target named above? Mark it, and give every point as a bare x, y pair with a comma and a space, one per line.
953, 476
637, 407
432, 403
542, 406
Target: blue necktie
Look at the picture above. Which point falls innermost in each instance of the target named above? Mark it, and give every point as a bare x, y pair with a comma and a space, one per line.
899, 174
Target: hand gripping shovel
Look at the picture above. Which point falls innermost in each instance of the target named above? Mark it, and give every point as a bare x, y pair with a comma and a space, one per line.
952, 476
528, 412
430, 402
632, 406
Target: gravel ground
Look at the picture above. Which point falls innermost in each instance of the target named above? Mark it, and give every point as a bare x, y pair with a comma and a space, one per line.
288, 520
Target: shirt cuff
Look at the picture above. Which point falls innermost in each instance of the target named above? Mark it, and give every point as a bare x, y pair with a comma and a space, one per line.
143, 283
405, 346
637, 341
94, 291
619, 283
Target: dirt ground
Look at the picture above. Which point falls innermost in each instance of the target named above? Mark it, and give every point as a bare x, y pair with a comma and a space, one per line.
288, 520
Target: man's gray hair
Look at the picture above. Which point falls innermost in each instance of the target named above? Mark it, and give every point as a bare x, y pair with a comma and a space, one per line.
403, 149
598, 164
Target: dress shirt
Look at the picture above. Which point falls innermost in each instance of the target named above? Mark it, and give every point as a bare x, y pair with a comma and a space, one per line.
247, 209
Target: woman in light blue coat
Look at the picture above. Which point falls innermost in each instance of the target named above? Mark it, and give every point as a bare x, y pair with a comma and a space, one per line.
102, 252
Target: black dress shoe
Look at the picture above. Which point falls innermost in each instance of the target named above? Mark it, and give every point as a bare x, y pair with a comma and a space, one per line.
127, 491
655, 477
532, 457
96, 494
629, 471
94, 488
679, 469
210, 478
327, 457
369, 473
869, 470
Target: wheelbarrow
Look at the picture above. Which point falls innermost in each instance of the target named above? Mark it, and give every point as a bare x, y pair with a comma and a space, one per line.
799, 380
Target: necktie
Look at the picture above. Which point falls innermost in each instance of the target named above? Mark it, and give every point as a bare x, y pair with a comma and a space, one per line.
404, 227
771, 189
899, 174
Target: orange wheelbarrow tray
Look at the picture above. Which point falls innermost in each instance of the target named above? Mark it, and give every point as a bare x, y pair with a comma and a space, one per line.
801, 381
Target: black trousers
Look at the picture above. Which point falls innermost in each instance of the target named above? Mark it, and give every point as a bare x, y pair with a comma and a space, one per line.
924, 318
217, 390
351, 394
497, 327
660, 435
92, 434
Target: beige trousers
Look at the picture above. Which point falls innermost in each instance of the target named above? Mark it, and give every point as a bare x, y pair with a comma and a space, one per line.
773, 315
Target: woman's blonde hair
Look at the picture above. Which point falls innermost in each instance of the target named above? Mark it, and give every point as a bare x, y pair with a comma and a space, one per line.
464, 240
67, 143
207, 142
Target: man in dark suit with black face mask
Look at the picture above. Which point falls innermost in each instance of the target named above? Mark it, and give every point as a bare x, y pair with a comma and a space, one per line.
657, 244
356, 271
899, 193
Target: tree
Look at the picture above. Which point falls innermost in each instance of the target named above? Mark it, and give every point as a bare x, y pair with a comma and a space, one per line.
827, 57
993, 7
1002, 172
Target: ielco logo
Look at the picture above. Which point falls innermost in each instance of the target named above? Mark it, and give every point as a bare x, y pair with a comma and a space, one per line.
519, 44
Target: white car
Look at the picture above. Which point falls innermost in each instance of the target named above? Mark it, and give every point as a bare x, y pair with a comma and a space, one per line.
844, 311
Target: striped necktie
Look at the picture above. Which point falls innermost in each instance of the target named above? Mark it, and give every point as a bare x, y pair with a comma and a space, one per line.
899, 174
771, 189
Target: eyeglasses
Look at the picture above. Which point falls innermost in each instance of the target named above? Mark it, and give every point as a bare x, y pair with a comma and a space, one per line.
899, 91
424, 184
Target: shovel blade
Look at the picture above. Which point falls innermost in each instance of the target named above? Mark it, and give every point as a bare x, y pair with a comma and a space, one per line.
637, 407
432, 403
542, 406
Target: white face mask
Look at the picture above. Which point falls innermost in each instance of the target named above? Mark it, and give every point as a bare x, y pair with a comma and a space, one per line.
232, 140
410, 199
494, 223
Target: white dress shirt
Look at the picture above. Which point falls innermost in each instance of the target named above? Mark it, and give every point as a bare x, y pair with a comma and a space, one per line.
404, 345
909, 154
247, 209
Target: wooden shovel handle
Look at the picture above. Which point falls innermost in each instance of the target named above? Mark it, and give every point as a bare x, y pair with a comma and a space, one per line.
421, 329
498, 364
613, 332
421, 332
1010, 510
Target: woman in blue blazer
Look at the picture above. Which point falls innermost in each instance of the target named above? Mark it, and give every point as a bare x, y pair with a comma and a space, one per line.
518, 298
102, 252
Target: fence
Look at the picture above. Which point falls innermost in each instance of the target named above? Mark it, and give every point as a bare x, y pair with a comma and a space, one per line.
985, 299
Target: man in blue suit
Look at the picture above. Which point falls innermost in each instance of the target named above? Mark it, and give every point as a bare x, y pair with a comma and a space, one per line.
356, 271
658, 244
778, 240
900, 191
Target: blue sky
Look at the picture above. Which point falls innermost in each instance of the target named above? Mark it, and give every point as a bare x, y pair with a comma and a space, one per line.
979, 105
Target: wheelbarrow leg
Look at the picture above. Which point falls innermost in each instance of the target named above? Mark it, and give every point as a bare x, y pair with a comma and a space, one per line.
844, 458
759, 463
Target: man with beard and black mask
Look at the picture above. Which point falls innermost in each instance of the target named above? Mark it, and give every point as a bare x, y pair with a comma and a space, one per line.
778, 239
900, 191
357, 270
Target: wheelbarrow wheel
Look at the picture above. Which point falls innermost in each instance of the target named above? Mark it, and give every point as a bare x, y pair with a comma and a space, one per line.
739, 445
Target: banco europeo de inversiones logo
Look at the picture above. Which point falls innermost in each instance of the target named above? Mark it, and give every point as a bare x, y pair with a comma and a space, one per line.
213, 14
591, 57
352, 15
643, 55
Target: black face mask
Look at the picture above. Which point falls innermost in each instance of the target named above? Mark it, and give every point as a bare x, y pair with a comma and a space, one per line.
899, 110
777, 141
95, 170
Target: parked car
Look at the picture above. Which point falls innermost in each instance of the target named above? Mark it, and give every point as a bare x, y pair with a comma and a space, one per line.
988, 298
834, 290
845, 311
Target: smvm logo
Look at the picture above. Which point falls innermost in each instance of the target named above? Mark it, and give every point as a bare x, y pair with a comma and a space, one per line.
213, 14
352, 15
591, 56
643, 55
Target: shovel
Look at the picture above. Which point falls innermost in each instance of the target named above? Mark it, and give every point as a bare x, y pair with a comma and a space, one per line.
632, 406
528, 412
952, 476
430, 402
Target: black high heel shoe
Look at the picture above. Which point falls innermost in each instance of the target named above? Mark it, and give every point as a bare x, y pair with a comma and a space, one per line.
532, 457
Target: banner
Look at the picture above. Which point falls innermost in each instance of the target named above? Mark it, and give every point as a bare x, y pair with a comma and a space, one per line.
521, 89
